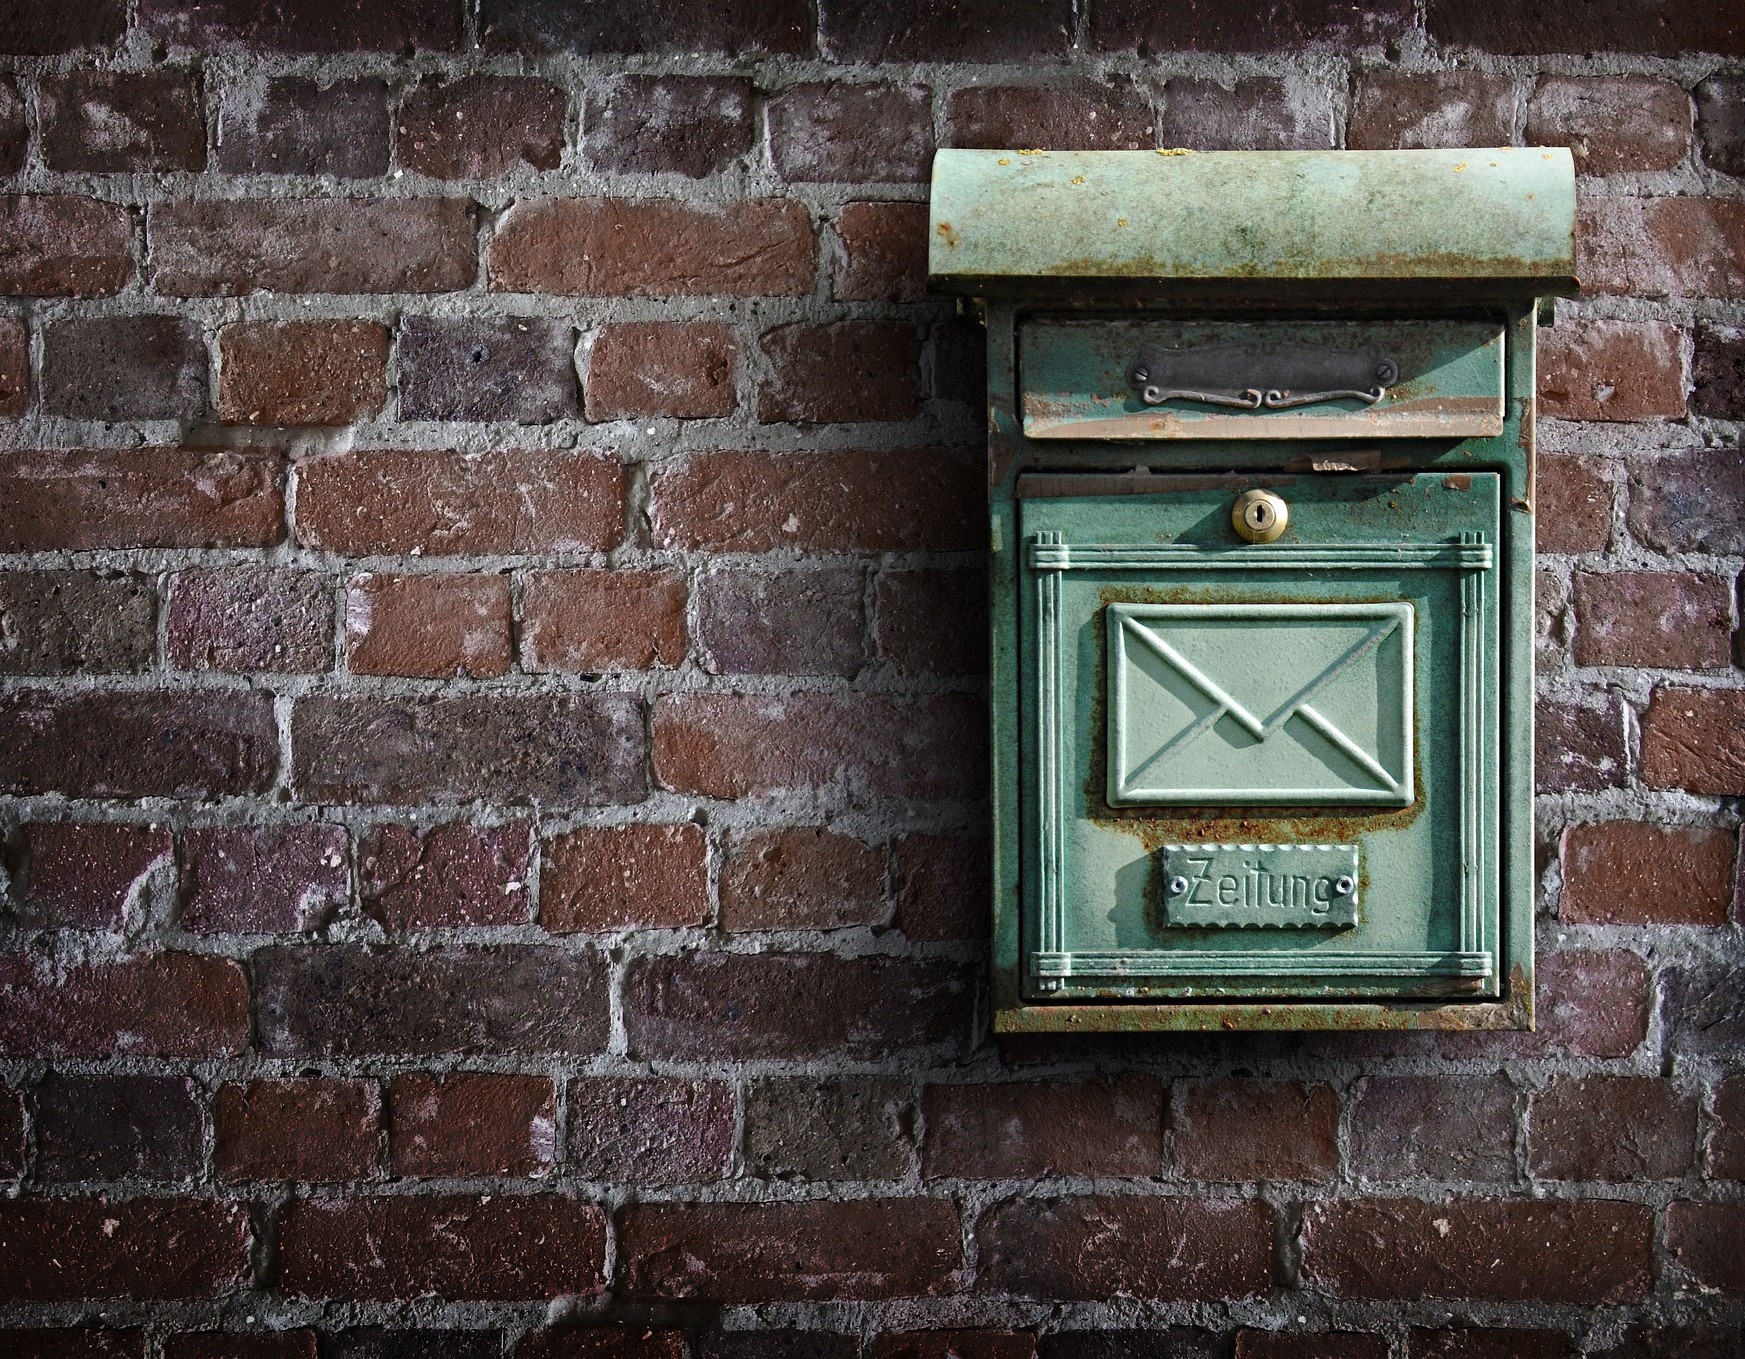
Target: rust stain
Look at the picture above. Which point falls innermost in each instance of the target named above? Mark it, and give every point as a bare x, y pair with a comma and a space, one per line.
949, 234
1457, 481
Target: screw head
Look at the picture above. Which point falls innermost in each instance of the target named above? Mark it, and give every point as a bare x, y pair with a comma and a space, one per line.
1177, 885
1344, 885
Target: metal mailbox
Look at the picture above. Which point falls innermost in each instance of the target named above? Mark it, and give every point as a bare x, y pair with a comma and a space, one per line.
1260, 473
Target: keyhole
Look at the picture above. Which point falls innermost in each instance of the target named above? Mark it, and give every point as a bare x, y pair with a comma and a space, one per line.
1259, 516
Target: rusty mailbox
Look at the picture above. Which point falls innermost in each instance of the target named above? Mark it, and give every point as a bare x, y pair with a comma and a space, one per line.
1260, 472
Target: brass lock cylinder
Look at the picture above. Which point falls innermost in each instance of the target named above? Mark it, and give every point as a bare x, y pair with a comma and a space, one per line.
1259, 516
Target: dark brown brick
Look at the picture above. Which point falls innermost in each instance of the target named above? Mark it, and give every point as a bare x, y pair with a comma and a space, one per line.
42, 28
598, 247
154, 1005
471, 1123
438, 626
1166, 1249
115, 1127
1440, 1128
309, 1129
199, 745
883, 255
140, 497
245, 620
1702, 1009
658, 1130
777, 1252
840, 371
1658, 28
73, 1343
1704, 1239
1487, 1343
1725, 1158
14, 368
682, 125
680, 370
520, 369
626, 27
1673, 1342
262, 879
302, 372
1310, 1345
802, 878
796, 622
1036, 1129
1721, 106
1228, 1130
445, 877
54, 1250
942, 887
1616, 1129
624, 877
343, 1001
123, 368
293, 1344
105, 121
62, 245
1690, 502
750, 1006
1580, 1253
820, 502
1588, 1003
1579, 744
1718, 379
436, 503
933, 622
1695, 739
853, 134
292, 125
861, 748
72, 622
976, 31
1575, 505
12, 1145
590, 621
1662, 247
232, 247
72, 876
1443, 108
1246, 26
376, 1342
1666, 619
1112, 116
492, 1248
1173, 1342
1626, 873
1612, 370
1613, 124
1261, 113
850, 1128
954, 1344
568, 749
303, 25
610, 1342
481, 127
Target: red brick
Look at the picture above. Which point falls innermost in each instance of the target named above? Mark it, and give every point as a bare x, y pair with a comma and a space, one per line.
1262, 113
262, 879
1310, 1345
1626, 873
1615, 1129
591, 621
631, 27
1580, 1253
1725, 1158
61, 245
806, 621
1574, 511
1442, 1128
883, 253
1579, 744
38, 28
1113, 116
694, 126
12, 1147
971, 31
54, 1250
861, 748
1666, 619
789, 1006
1704, 1239
624, 877
302, 372
1035, 1129
1488, 1343
791, 1252
113, 368
1613, 124
802, 878
1590, 1004
1164, 1249
659, 1130
1442, 108
1690, 501
328, 1001
1227, 1130
840, 371
428, 626
933, 622
112, 1127
1562, 26
598, 247
295, 1344
245, 620
100, 121
942, 887
232, 247
309, 1129
490, 1248
140, 497
471, 1123
292, 125
470, 368
302, 25
1662, 247
853, 134
679, 370
72, 876
1695, 739
481, 127
954, 1344
445, 877
1246, 25
14, 368
819, 502
196, 745
439, 503
154, 1005
1612, 370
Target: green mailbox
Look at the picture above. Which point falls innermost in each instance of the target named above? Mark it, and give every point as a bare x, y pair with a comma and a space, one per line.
1260, 475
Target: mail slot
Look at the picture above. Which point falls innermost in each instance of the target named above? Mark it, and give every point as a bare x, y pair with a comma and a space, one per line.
1260, 490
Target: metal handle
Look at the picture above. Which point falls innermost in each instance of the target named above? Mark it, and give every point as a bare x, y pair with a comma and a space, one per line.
1260, 377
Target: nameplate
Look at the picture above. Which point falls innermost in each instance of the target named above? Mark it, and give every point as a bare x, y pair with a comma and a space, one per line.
1260, 886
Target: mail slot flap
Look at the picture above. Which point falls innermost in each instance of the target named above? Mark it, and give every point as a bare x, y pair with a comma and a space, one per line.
1261, 379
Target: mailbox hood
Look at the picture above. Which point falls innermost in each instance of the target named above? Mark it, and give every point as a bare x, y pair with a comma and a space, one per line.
1485, 219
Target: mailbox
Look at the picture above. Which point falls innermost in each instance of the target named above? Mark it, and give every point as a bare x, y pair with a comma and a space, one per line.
1261, 497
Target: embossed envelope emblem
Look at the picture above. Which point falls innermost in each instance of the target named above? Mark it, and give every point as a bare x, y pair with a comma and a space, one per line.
1260, 704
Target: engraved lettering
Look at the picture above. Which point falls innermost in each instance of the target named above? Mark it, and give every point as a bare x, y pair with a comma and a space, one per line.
1202, 878
1261, 886
1228, 888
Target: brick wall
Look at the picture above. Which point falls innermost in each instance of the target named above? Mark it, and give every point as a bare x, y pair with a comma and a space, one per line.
490, 723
